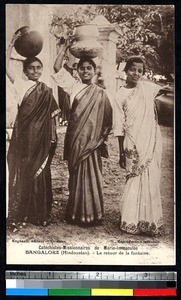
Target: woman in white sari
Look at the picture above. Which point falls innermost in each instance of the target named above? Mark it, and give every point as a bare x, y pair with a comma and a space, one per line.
135, 124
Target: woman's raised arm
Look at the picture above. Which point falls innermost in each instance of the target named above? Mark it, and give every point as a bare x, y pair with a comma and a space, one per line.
9, 71
63, 48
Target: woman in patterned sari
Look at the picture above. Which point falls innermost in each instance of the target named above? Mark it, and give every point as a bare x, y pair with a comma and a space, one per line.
89, 124
32, 145
135, 124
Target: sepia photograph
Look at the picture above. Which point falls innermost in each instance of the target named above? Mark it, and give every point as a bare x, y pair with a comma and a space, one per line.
90, 134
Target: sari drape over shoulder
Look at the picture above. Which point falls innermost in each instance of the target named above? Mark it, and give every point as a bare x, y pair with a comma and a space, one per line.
30, 153
89, 125
135, 117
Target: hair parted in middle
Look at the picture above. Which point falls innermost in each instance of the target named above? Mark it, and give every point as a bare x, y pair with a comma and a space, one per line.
30, 60
135, 59
86, 59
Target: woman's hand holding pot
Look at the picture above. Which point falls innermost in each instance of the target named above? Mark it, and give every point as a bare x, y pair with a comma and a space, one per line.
14, 38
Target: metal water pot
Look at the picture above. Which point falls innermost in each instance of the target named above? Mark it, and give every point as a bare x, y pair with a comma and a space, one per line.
29, 43
86, 41
165, 108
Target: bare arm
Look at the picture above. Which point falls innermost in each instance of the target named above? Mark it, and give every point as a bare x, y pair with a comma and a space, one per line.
9, 71
59, 60
122, 159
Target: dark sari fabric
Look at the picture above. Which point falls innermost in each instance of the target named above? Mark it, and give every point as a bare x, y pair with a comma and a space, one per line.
64, 98
64, 103
89, 125
30, 153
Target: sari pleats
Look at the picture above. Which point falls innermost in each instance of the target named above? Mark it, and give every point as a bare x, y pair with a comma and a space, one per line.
141, 210
89, 124
85, 184
29, 157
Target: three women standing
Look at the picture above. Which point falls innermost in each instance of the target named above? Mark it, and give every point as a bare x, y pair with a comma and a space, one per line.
135, 124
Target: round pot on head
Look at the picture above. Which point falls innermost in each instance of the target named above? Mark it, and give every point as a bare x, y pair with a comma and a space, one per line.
86, 41
29, 43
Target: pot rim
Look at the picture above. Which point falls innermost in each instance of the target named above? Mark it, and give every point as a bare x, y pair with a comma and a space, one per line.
21, 28
28, 31
85, 24
81, 37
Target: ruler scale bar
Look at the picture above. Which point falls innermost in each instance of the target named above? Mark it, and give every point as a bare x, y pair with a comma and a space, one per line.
61, 283
91, 275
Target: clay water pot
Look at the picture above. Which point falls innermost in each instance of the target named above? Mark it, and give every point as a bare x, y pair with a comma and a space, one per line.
30, 43
86, 41
165, 109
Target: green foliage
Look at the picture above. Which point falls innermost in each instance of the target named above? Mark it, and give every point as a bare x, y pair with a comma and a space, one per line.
146, 30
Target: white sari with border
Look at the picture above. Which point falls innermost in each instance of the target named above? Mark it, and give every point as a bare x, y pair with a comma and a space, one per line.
135, 118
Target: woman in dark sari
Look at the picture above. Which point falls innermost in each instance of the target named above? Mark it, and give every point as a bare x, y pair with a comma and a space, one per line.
32, 146
89, 125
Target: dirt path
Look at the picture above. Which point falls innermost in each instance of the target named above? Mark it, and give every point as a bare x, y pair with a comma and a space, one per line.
109, 233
